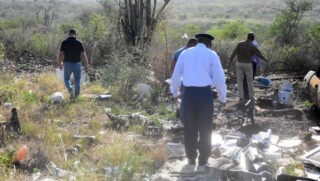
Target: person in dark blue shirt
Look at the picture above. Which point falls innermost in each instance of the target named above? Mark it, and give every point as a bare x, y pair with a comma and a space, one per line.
191, 43
70, 56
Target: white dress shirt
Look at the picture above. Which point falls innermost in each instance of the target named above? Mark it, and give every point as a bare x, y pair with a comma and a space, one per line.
199, 66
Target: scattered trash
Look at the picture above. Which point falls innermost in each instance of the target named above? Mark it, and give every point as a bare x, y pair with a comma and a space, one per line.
289, 143
311, 162
84, 137
264, 81
59, 172
104, 97
313, 88
21, 154
7, 105
110, 170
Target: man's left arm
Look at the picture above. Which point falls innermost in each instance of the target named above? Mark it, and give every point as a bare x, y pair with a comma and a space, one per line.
259, 54
219, 79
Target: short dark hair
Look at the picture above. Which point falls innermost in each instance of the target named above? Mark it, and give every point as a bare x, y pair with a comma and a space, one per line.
251, 36
205, 41
72, 32
192, 42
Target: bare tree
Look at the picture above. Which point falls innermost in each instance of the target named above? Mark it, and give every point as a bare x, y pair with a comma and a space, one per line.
138, 19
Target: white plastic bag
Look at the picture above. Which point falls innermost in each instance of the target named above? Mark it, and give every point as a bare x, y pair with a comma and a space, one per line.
84, 77
59, 74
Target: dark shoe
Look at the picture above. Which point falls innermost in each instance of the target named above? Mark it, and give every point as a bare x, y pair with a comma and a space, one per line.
201, 163
191, 162
72, 97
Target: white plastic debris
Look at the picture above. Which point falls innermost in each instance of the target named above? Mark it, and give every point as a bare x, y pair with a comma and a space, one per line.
289, 143
185, 36
57, 98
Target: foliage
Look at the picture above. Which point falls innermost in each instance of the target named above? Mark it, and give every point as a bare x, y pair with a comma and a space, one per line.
39, 43
2, 52
96, 27
231, 30
6, 158
286, 25
123, 156
29, 97
10, 24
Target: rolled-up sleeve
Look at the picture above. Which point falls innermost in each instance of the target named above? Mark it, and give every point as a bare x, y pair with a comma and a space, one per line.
219, 79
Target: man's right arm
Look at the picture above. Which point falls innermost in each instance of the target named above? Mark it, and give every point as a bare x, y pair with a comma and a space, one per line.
60, 59
232, 56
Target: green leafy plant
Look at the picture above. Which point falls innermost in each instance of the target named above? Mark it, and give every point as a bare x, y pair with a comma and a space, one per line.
29, 97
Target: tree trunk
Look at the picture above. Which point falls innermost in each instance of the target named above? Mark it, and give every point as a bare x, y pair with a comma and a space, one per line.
139, 19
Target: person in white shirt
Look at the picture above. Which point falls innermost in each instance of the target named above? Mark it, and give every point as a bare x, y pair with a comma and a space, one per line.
201, 69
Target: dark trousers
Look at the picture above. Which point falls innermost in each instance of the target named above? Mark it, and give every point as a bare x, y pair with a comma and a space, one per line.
245, 85
182, 105
198, 105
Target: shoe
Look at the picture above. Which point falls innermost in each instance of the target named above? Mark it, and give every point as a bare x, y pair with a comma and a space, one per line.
191, 162
202, 163
71, 96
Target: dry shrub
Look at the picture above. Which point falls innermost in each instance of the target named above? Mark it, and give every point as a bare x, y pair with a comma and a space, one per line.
158, 154
48, 83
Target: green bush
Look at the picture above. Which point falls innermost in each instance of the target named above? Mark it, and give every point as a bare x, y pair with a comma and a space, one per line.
39, 43
29, 97
10, 24
230, 30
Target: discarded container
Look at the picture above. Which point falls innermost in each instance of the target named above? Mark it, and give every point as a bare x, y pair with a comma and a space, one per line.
104, 97
313, 87
7, 105
285, 93
21, 154
264, 81
84, 77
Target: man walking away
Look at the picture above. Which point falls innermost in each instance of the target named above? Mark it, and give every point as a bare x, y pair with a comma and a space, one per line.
191, 43
70, 56
244, 51
200, 69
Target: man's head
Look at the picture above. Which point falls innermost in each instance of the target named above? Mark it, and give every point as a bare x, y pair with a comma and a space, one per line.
72, 32
192, 42
251, 36
205, 39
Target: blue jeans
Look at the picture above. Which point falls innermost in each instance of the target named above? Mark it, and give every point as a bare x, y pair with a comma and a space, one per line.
74, 68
